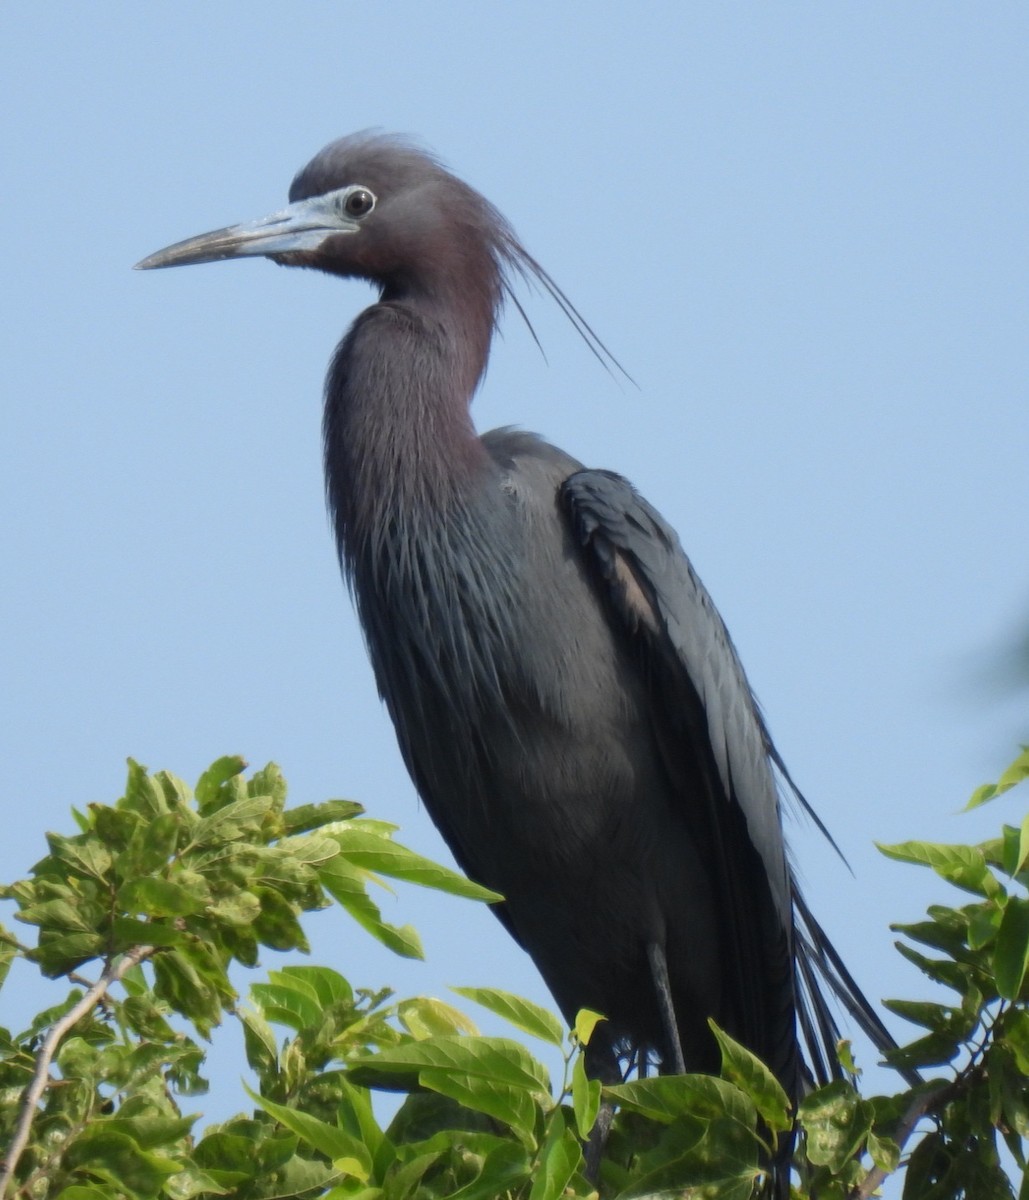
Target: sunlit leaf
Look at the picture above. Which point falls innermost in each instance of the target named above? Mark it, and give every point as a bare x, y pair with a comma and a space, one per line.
585, 1097
836, 1122
426, 1017
964, 866
750, 1074
373, 852
524, 1014
347, 885
496, 1060
1014, 774
560, 1159
209, 791
313, 816
586, 1021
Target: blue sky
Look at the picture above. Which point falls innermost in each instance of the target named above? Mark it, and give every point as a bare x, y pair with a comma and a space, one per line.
802, 229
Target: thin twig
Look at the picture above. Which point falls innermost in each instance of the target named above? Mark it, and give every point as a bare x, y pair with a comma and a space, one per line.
41, 1077
920, 1107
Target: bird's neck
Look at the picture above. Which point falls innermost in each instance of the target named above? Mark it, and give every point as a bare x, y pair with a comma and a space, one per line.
400, 446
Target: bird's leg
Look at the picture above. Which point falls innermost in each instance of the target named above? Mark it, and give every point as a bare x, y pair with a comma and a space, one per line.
663, 989
602, 1064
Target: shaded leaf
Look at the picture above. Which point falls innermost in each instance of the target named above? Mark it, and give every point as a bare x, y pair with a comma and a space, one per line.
1011, 952
339, 1146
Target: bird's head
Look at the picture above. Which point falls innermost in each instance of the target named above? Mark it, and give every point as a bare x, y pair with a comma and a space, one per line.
379, 207
373, 206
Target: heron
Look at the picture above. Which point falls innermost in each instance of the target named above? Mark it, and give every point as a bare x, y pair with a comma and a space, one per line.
566, 698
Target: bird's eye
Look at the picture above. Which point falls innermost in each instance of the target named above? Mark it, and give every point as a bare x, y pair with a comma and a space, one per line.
358, 203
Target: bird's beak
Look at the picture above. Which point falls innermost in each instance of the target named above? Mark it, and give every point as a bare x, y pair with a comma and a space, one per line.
301, 228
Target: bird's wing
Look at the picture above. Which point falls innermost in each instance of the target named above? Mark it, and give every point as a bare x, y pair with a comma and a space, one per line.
707, 718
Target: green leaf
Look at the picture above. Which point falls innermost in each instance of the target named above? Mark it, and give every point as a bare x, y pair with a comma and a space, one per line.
561, 1158
585, 1097
355, 1112
288, 1004
117, 1158
714, 1159
375, 852
142, 795
238, 908
964, 866
512, 1105
1011, 953
323, 983
149, 1132
751, 1075
190, 1182
425, 1017
523, 1014
8, 952
983, 925
884, 1152
310, 848
85, 854
209, 791
313, 816
504, 1168
1016, 847
57, 914
340, 1147
262, 1050
158, 898
177, 981
59, 955
240, 819
924, 1013
276, 926
346, 884
667, 1098
493, 1060
836, 1122
1018, 771
150, 847
127, 932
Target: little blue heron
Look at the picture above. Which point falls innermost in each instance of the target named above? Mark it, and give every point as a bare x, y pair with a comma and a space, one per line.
565, 695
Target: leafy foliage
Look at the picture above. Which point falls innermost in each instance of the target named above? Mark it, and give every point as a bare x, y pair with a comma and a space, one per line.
163, 891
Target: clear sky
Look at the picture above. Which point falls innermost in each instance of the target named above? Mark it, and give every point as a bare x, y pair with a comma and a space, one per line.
801, 228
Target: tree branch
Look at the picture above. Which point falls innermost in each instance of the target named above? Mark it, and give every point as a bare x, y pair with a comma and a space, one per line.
41, 1076
921, 1106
